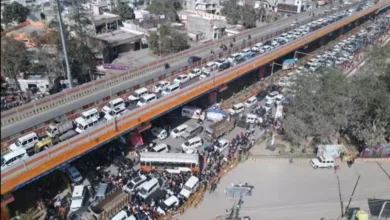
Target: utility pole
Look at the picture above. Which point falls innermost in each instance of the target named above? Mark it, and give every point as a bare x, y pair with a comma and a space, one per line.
64, 44
237, 191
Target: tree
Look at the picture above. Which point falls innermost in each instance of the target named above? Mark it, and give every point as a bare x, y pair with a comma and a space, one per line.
14, 12
167, 40
236, 14
320, 107
125, 11
14, 58
168, 8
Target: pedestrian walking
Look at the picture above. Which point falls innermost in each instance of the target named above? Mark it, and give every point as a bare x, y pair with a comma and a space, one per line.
336, 168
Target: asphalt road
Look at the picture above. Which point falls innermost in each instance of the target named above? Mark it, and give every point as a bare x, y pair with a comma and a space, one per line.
21, 125
296, 191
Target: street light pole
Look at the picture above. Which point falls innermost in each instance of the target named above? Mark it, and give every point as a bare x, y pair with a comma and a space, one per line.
64, 45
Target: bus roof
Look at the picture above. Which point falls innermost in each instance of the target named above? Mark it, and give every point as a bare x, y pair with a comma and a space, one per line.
169, 157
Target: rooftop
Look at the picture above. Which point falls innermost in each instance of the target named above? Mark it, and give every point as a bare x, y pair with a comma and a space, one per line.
105, 17
28, 28
119, 37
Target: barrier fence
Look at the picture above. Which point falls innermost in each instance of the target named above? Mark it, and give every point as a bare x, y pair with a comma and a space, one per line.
28, 110
41, 163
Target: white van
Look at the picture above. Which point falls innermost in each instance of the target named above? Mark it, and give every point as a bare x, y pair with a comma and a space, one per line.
78, 196
147, 99
170, 89
26, 142
190, 187
138, 94
252, 118
160, 133
13, 157
135, 184
90, 115
82, 125
148, 188
192, 112
322, 162
116, 103
179, 130
168, 205
251, 102
161, 148
236, 109
279, 112
192, 143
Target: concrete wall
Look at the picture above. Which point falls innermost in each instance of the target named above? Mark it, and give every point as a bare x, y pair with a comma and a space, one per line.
206, 26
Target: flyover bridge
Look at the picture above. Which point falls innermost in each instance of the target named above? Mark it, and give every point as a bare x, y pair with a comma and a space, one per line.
35, 116
17, 175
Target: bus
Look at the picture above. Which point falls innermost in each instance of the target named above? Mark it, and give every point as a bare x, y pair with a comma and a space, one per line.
171, 162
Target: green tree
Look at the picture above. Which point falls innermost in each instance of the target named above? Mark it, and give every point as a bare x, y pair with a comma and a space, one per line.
14, 58
167, 40
236, 14
14, 12
320, 108
125, 11
168, 8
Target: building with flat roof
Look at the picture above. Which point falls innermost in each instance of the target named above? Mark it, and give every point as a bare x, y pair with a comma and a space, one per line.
104, 21
117, 42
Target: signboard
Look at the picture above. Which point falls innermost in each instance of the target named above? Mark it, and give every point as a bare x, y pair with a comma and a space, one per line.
289, 64
114, 67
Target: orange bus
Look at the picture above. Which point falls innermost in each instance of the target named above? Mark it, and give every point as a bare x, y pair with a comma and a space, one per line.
171, 162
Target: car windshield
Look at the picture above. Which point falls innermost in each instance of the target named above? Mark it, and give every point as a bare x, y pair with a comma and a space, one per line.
135, 94
18, 143
2, 161
236, 108
187, 188
77, 198
143, 191
142, 100
272, 94
75, 175
160, 84
50, 130
195, 71
111, 113
175, 130
186, 143
319, 159
80, 126
267, 104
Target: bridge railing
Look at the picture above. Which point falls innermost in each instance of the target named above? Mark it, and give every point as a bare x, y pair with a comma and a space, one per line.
102, 133
39, 106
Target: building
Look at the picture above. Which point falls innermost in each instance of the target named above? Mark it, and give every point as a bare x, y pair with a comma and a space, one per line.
117, 42
111, 4
36, 82
104, 22
209, 6
203, 26
31, 33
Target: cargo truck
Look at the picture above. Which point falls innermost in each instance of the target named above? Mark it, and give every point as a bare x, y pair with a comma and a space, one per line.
220, 128
59, 129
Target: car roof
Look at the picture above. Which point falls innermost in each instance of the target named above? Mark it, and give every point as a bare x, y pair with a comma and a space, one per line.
171, 200
182, 126
160, 146
223, 141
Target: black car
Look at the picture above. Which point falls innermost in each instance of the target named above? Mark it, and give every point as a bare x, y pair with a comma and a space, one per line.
224, 66
261, 112
123, 162
194, 59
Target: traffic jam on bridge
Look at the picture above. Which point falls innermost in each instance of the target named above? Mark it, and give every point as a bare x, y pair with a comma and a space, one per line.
163, 166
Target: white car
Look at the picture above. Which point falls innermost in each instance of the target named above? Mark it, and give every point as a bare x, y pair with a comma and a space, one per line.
250, 102
221, 61
210, 67
159, 133
232, 58
134, 184
268, 105
222, 145
161, 148
74, 174
178, 131
168, 205
195, 73
279, 98
272, 95
204, 75
193, 143
181, 79
160, 86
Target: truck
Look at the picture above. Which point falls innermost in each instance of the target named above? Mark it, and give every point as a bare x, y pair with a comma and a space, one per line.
47, 141
220, 128
58, 129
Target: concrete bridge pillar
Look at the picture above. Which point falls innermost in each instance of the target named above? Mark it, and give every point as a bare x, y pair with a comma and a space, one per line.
261, 73
213, 97
341, 31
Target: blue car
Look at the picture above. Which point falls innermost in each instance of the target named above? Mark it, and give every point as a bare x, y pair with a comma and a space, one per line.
248, 54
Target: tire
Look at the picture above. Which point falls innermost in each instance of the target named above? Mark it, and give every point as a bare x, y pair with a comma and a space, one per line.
315, 167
